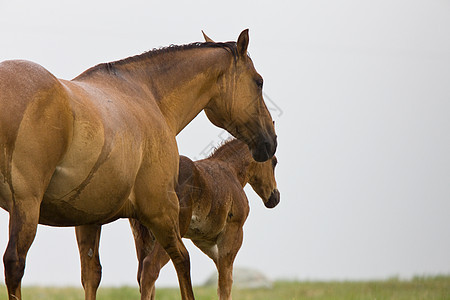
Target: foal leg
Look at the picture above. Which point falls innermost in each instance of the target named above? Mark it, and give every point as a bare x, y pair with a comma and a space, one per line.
223, 254
145, 243
23, 221
88, 239
228, 246
153, 264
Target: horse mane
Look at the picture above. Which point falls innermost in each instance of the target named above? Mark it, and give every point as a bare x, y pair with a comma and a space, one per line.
109, 66
229, 147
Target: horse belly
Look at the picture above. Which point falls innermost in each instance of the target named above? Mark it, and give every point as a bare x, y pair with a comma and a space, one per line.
96, 205
92, 183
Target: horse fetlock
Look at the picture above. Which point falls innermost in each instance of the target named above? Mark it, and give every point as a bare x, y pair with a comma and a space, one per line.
14, 270
11, 296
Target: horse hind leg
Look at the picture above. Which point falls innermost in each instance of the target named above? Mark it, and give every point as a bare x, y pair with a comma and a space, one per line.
24, 204
88, 239
40, 142
23, 221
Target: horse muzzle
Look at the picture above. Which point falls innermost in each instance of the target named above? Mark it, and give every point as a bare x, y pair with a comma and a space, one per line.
264, 149
274, 199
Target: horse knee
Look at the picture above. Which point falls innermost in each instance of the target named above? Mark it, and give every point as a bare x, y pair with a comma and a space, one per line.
177, 252
180, 257
166, 231
149, 274
184, 255
91, 276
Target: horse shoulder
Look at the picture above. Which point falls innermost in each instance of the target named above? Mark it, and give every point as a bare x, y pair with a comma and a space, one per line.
218, 185
186, 171
233, 196
240, 208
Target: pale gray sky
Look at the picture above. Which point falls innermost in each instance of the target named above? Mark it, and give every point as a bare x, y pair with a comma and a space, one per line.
360, 93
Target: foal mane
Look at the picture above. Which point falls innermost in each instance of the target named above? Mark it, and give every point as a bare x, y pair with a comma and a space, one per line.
110, 66
230, 148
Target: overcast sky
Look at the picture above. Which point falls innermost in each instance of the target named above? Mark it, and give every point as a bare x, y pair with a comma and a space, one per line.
360, 92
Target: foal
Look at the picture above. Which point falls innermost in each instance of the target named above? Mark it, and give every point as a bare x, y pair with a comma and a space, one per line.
213, 209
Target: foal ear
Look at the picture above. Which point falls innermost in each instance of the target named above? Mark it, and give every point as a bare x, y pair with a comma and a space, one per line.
242, 43
207, 38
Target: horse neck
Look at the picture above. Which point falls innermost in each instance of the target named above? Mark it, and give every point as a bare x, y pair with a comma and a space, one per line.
237, 155
181, 81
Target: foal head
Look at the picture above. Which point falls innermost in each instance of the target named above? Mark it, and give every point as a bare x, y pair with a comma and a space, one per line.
262, 180
239, 106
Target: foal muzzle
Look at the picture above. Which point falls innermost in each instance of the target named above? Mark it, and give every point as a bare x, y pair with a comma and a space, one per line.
274, 199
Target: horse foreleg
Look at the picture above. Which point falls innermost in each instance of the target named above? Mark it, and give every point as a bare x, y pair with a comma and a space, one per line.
165, 227
151, 256
228, 246
23, 221
88, 239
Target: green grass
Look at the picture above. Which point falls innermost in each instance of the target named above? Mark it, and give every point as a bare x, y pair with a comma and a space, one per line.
437, 287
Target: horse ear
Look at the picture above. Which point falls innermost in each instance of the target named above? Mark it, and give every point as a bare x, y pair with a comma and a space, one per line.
207, 38
242, 43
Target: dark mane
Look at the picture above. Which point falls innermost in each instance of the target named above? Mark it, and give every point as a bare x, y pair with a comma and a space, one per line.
230, 147
109, 66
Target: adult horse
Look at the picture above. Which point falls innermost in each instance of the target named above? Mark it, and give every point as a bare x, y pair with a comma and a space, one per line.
102, 146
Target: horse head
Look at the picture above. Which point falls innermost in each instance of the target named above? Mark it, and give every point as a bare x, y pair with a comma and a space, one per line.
239, 107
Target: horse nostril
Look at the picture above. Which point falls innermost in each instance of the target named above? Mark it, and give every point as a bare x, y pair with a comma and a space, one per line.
271, 146
264, 150
268, 147
274, 199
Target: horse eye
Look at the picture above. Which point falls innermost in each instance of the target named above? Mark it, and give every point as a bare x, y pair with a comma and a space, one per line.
259, 82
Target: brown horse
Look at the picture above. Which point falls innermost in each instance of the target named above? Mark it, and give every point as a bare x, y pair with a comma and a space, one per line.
213, 209
102, 146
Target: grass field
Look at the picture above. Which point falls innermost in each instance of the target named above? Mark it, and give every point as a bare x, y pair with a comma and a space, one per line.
418, 288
